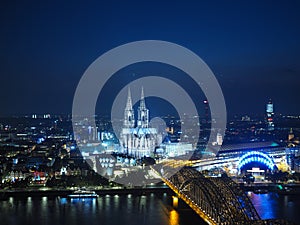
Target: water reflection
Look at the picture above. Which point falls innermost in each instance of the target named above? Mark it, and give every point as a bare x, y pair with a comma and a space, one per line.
273, 205
264, 205
174, 218
128, 210
63, 201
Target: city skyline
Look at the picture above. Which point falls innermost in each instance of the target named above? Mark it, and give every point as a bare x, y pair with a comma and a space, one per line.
150, 112
253, 50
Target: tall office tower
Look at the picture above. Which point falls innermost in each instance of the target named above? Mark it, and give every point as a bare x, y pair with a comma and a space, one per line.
206, 111
270, 115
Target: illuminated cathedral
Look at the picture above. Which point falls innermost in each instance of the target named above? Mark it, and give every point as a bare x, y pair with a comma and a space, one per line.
137, 138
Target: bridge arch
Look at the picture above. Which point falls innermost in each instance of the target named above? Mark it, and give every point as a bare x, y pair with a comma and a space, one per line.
216, 200
256, 156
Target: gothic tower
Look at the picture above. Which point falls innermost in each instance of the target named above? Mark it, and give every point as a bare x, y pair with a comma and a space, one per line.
143, 113
129, 113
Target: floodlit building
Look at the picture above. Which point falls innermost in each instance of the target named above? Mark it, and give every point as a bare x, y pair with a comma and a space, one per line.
137, 138
175, 149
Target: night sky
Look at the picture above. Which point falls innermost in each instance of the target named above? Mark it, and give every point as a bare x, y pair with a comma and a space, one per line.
253, 48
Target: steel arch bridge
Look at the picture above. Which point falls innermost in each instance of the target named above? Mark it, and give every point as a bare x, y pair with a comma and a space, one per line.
216, 200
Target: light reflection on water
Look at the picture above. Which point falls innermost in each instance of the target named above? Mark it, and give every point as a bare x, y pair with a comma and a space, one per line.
273, 205
128, 209
174, 218
105, 210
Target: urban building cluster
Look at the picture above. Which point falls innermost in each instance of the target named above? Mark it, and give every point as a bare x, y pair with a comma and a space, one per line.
42, 150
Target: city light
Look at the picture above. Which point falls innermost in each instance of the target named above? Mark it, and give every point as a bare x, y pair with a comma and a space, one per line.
255, 156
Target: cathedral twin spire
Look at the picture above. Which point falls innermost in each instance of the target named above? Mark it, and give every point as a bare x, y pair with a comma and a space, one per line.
129, 113
129, 101
142, 101
143, 113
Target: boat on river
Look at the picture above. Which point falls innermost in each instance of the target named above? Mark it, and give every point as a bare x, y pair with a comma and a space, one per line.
83, 194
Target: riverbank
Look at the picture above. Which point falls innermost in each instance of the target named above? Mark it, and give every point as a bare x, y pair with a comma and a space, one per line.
4, 194
261, 188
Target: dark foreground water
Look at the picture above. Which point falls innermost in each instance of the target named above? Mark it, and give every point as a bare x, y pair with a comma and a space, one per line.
127, 210
273, 205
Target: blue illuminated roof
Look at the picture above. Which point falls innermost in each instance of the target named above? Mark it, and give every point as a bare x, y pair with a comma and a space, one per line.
255, 156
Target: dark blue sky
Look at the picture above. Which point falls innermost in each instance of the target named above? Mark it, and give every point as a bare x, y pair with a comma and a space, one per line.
252, 47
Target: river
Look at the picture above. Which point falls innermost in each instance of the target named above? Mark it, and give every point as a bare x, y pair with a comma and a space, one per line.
152, 209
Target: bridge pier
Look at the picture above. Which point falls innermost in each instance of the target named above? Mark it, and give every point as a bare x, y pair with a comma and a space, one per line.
175, 202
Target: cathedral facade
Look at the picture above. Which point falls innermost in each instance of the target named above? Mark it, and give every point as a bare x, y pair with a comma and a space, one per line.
137, 138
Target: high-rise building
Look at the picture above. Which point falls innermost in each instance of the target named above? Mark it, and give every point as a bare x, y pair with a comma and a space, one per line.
270, 115
206, 111
138, 139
